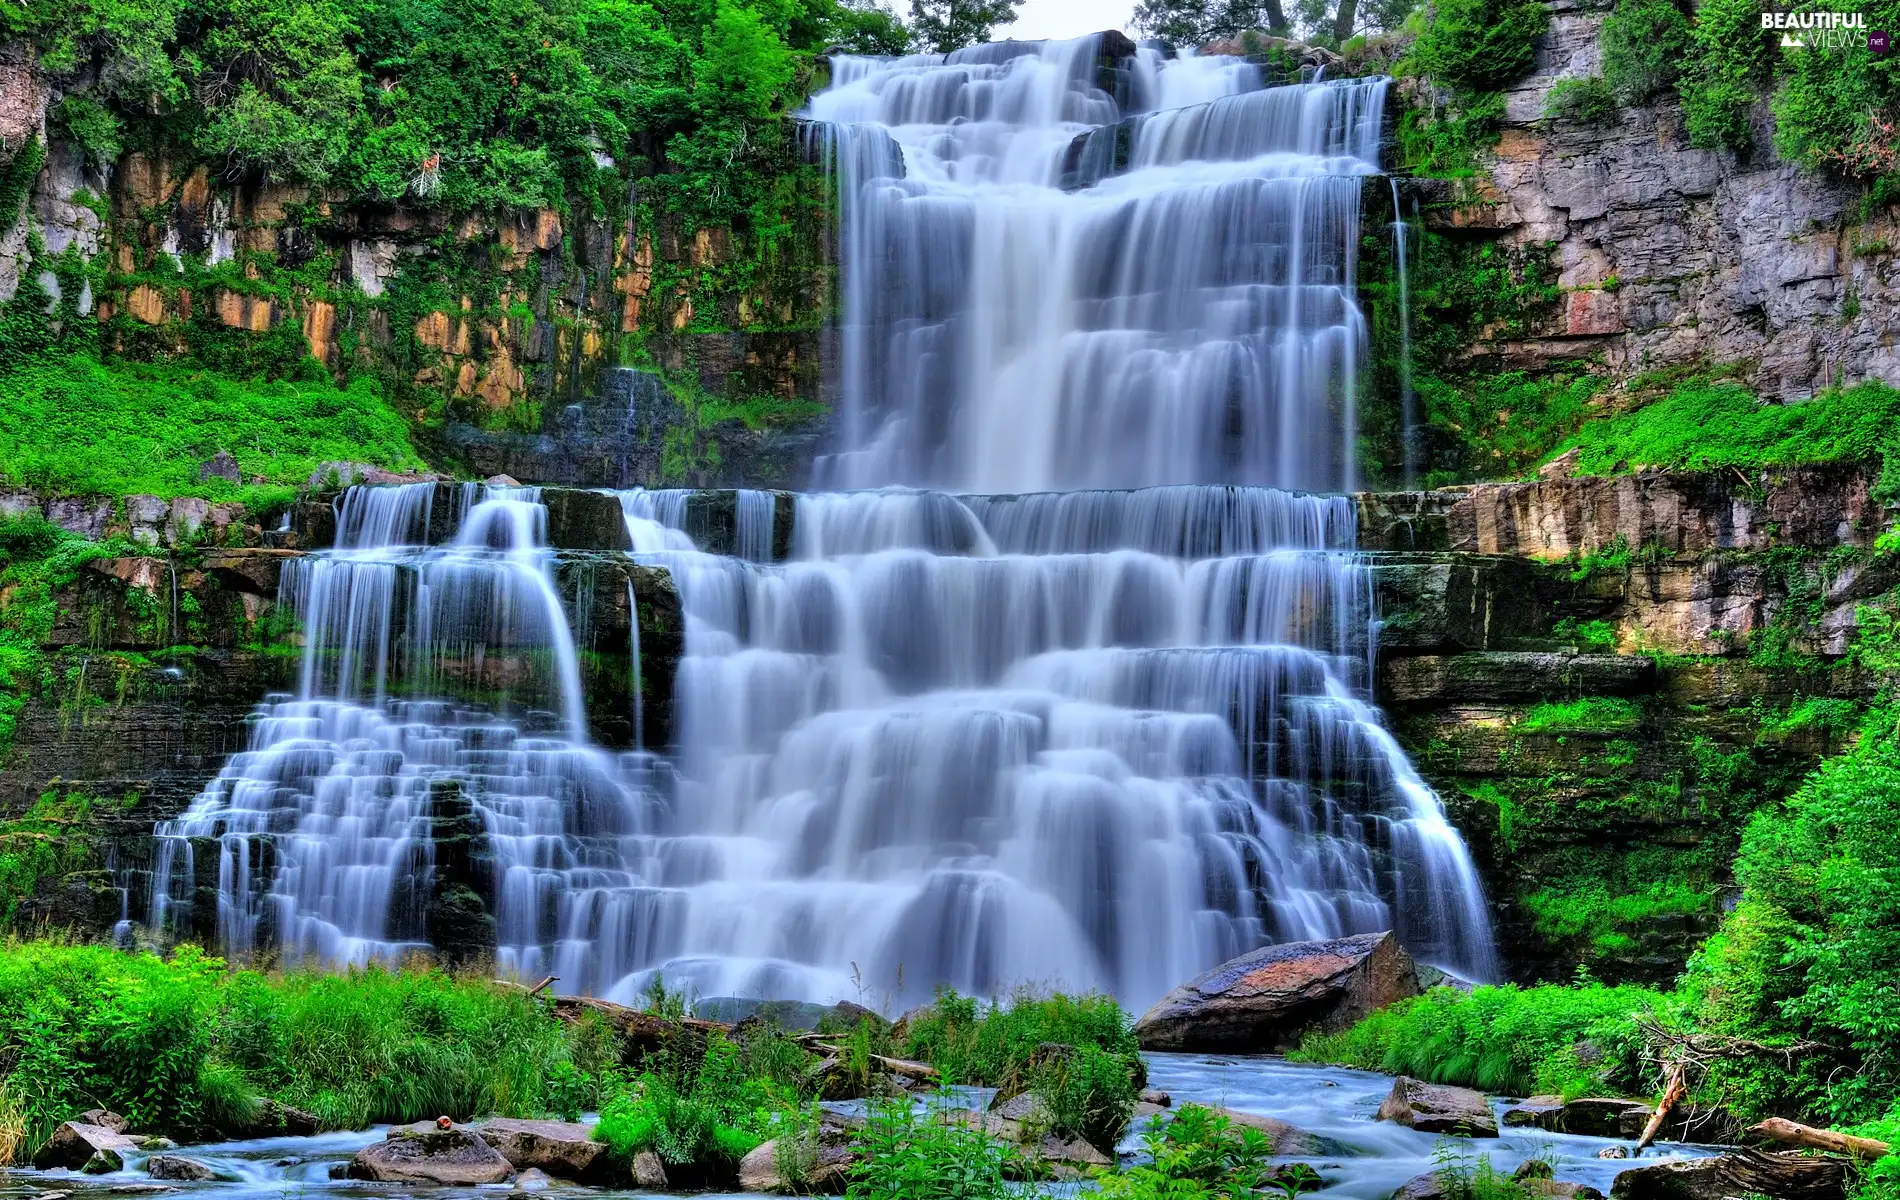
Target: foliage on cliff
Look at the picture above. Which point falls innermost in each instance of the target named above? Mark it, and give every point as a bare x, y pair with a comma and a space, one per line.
76, 425
462, 103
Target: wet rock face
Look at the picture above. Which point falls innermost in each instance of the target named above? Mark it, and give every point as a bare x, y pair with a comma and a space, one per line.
178, 1168
1266, 1000
1432, 1108
422, 1153
562, 1149
1715, 257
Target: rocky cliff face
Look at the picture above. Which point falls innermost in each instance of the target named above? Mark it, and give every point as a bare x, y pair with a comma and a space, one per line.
500, 332
1671, 255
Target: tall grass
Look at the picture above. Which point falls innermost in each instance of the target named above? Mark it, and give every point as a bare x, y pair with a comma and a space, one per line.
1568, 1041
185, 1046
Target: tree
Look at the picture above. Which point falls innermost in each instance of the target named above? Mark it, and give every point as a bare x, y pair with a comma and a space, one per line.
1197, 22
946, 25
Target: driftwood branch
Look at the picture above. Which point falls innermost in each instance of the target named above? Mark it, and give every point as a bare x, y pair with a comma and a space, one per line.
1697, 1048
1794, 1133
1672, 1093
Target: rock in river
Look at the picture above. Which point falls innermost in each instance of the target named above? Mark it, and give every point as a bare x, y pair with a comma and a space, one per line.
560, 1148
1431, 1108
177, 1167
422, 1153
1791, 1176
1267, 999
84, 1146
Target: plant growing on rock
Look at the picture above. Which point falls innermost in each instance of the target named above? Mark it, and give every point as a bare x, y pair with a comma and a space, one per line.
929, 1155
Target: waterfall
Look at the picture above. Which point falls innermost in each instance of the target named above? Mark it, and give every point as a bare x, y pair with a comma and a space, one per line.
1068, 680
1190, 317
1408, 401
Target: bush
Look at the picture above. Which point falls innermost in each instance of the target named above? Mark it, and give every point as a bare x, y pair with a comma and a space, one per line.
1479, 45
1200, 1153
1588, 99
1733, 62
691, 1109
1644, 44
1090, 1089
1507, 1039
909, 1155
1590, 714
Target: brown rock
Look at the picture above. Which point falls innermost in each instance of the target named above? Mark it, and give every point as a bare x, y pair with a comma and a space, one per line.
76, 1144
145, 304
561, 1148
176, 1167
1434, 1108
649, 1172
1266, 1000
421, 1153
1287, 1139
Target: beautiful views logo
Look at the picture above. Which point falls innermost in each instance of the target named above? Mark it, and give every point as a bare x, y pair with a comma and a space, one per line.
1825, 31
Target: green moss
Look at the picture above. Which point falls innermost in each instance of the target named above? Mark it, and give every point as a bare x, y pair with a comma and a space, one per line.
1703, 425
1594, 714
49, 840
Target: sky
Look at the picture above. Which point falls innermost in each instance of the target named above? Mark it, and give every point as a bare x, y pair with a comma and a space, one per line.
1067, 18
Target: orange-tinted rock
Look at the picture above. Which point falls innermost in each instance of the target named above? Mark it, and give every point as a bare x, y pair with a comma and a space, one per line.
1267, 999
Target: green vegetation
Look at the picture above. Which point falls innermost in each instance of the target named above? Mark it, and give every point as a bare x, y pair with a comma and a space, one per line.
1644, 44
78, 426
694, 1108
931, 1156
1521, 1041
1200, 1154
183, 1046
1701, 425
1593, 714
1089, 1085
1586, 98
48, 839
1594, 913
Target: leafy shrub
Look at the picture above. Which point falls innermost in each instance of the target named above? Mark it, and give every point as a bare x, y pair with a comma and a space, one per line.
1586, 98
1595, 912
1479, 45
1732, 65
1090, 1088
907, 1155
1644, 44
1503, 1039
1704, 425
690, 1110
1199, 1153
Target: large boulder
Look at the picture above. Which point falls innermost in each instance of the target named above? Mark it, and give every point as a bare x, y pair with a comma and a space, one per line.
1268, 999
268, 1118
1433, 1108
84, 1146
1791, 1176
177, 1167
563, 1149
423, 1153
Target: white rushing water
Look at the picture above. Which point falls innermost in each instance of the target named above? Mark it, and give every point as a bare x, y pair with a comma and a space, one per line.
982, 736
1188, 318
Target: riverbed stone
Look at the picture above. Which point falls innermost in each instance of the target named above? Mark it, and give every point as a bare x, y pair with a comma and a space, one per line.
563, 1148
82, 1146
422, 1153
1267, 999
649, 1172
1786, 1176
178, 1167
1435, 1108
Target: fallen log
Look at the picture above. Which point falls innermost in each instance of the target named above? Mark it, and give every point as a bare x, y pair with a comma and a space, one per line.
1794, 1133
1672, 1093
906, 1068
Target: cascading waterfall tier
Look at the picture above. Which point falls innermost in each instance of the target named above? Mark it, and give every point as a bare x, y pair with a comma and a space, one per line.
1096, 739
1187, 317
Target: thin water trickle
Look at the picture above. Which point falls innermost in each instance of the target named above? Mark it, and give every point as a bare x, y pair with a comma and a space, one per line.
1408, 402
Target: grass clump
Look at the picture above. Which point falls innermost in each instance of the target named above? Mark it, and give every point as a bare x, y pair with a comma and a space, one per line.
75, 425
1589, 714
1605, 918
1586, 98
692, 1109
1569, 1041
1076, 1053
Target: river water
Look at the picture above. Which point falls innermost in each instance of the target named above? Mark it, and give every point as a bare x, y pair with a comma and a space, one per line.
1374, 1157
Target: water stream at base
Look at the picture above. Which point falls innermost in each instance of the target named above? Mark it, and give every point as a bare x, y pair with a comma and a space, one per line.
1369, 1161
